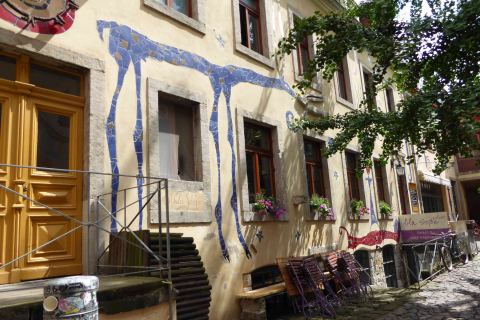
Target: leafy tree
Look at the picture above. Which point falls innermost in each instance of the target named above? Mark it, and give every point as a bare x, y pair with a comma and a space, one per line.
433, 57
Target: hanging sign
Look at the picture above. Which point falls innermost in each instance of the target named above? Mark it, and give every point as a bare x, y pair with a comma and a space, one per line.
423, 227
412, 190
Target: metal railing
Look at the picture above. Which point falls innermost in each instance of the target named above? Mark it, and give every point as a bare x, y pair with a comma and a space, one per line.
156, 187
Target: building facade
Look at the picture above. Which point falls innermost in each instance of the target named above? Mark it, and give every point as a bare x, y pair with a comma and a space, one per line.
189, 91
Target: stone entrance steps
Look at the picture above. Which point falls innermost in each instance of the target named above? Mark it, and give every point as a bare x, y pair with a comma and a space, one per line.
188, 275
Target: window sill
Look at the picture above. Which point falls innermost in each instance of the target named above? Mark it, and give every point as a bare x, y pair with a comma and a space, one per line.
315, 85
367, 218
177, 16
315, 216
345, 103
255, 55
252, 216
380, 218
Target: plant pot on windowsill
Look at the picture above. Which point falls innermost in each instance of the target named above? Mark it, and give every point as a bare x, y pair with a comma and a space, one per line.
385, 212
267, 209
321, 208
358, 210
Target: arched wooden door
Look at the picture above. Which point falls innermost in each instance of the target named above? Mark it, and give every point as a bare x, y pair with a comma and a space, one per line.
41, 126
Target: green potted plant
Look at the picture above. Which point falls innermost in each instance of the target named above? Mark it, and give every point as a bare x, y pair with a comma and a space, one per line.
321, 206
385, 210
358, 209
264, 205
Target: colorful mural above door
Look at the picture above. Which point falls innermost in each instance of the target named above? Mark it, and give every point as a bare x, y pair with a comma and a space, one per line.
128, 46
372, 239
41, 16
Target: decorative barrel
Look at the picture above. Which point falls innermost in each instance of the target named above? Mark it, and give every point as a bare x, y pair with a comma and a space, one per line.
72, 298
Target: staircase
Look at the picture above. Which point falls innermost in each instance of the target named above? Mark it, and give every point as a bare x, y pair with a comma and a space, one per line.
188, 275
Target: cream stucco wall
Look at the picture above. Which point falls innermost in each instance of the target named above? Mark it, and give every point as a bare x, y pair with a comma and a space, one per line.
218, 46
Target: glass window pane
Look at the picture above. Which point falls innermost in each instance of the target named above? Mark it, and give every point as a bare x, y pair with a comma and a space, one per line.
312, 151
53, 140
318, 181
257, 137
251, 176
305, 57
252, 4
176, 139
55, 80
7, 68
309, 180
266, 173
254, 33
181, 6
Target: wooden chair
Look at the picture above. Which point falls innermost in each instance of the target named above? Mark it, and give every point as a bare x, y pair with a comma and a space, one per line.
347, 283
292, 291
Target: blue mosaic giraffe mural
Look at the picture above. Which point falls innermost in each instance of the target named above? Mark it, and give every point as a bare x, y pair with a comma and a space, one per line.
128, 46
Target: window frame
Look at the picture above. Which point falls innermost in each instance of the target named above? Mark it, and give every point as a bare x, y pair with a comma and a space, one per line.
311, 165
200, 189
169, 3
348, 101
390, 100
381, 184
367, 73
242, 116
268, 45
196, 20
352, 173
249, 11
260, 152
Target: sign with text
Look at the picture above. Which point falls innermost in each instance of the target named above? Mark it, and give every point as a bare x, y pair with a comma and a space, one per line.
423, 227
412, 190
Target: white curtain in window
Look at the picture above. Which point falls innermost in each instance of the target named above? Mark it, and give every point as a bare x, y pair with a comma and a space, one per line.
168, 140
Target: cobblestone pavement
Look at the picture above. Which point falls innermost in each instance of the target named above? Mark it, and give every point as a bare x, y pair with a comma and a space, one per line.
453, 295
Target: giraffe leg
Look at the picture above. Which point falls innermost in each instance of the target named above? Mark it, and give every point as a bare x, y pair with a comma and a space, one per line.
218, 206
123, 61
138, 140
234, 199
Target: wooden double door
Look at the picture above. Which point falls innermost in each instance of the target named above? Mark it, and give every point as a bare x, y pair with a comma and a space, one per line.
39, 128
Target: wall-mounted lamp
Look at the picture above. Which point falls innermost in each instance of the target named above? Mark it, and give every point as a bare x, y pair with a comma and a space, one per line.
400, 170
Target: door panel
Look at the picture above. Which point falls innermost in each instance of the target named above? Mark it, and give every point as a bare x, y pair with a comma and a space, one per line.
36, 128
55, 142
6, 220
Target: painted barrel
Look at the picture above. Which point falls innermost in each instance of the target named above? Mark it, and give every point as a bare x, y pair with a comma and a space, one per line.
72, 298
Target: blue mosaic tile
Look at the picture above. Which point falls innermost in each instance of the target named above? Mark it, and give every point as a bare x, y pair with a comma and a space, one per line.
128, 46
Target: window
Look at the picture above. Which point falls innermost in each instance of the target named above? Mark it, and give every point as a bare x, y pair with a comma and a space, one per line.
178, 125
380, 182
368, 84
315, 175
259, 159
353, 181
56, 80
7, 68
343, 81
363, 260
182, 6
390, 100
303, 52
432, 197
53, 140
250, 23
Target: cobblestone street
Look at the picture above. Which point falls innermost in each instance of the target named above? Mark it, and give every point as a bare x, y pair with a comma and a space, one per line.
453, 295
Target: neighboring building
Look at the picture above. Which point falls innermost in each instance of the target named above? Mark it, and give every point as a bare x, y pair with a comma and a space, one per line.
189, 91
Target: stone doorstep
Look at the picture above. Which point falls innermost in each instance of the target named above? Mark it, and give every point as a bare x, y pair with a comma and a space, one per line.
116, 294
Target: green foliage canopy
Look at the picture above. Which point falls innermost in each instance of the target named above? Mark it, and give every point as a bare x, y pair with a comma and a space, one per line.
434, 60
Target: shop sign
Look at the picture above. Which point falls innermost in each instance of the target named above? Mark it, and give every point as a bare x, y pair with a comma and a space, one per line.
423, 227
412, 190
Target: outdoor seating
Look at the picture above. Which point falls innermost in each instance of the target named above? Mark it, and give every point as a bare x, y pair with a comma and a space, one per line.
312, 267
348, 262
347, 282
312, 300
